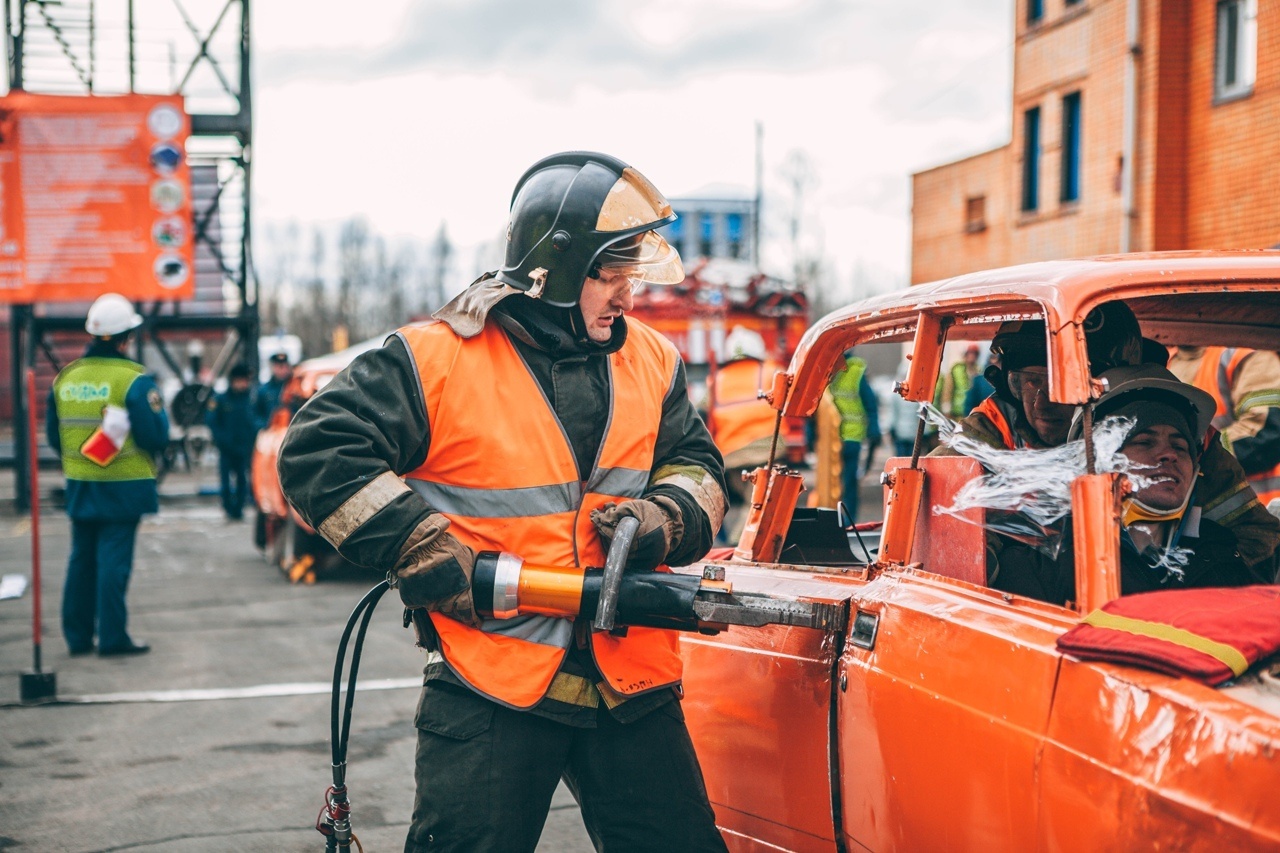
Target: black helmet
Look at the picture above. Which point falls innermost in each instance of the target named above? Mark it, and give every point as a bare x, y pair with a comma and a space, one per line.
1112, 337
576, 212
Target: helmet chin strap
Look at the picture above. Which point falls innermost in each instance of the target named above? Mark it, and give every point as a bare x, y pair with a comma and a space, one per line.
1134, 511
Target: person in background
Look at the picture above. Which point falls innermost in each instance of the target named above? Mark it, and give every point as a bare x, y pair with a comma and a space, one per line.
827, 449
105, 418
1245, 385
230, 418
981, 388
859, 422
740, 421
270, 392
956, 383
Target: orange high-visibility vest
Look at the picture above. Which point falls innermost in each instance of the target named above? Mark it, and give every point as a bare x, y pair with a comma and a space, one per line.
1215, 375
990, 407
501, 469
739, 416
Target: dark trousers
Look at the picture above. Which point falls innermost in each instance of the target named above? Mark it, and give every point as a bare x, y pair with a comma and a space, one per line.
850, 451
485, 776
97, 580
233, 468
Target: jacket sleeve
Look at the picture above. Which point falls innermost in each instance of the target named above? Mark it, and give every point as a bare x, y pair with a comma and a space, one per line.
341, 460
147, 420
1254, 437
1226, 498
871, 405
688, 468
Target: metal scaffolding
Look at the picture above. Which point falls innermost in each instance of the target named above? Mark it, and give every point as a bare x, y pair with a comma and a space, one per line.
96, 47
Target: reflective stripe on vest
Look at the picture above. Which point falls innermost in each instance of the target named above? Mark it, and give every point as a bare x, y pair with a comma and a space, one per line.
1215, 376
740, 416
80, 393
501, 468
845, 390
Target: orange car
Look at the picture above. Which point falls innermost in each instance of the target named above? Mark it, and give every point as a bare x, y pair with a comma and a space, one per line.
945, 717
288, 542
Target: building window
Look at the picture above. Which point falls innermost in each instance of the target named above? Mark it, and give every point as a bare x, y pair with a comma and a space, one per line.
1031, 159
707, 230
1071, 147
975, 214
1035, 11
733, 227
1073, 2
1236, 59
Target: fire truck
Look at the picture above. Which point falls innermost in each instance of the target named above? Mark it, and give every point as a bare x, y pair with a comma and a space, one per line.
716, 295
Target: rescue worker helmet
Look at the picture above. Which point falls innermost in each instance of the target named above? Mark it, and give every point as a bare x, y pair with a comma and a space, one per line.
110, 315
741, 343
1151, 394
575, 213
1112, 338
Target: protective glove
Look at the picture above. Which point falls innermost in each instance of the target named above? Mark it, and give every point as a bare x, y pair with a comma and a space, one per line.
661, 529
434, 571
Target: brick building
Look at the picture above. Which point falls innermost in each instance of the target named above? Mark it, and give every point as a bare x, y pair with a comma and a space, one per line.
1186, 91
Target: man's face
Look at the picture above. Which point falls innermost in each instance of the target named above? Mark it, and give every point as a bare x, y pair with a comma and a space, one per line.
240, 384
1166, 458
603, 300
281, 370
1050, 420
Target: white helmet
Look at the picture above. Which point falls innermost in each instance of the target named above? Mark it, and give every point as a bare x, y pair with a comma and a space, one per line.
741, 342
111, 314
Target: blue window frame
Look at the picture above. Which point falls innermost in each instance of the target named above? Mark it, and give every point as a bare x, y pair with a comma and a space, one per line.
707, 231
1035, 11
733, 232
1071, 147
1031, 159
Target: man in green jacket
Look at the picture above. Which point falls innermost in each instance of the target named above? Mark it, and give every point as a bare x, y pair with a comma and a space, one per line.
105, 419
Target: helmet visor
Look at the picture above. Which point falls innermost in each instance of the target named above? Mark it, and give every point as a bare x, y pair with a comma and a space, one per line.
645, 257
632, 203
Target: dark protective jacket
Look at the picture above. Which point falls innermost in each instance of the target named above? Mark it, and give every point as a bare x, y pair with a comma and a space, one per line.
269, 394
121, 500
231, 419
1214, 560
371, 419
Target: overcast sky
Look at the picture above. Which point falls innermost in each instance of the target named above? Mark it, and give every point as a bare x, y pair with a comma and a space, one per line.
413, 113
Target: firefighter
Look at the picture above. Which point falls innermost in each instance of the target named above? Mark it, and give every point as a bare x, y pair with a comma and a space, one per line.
1170, 422
1021, 415
106, 420
1245, 383
531, 416
956, 382
741, 423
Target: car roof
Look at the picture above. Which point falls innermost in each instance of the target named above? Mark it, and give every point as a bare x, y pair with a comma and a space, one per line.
1202, 298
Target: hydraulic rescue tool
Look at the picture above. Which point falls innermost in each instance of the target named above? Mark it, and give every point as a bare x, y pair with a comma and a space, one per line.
505, 586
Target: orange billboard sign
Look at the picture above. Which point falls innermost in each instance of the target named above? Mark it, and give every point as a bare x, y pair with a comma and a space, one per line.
95, 197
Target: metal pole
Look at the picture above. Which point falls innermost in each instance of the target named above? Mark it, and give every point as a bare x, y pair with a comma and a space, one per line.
17, 356
130, 36
755, 219
15, 81
1130, 144
36, 631
91, 45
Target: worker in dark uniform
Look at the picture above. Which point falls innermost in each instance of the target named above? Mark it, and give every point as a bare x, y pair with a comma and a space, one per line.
1021, 415
271, 391
231, 420
531, 417
105, 419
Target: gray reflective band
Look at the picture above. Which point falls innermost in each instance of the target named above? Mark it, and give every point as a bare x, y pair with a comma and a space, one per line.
544, 630
506, 586
528, 502
1236, 502
618, 482
361, 507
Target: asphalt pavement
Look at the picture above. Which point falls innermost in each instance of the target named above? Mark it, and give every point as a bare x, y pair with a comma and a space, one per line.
219, 738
